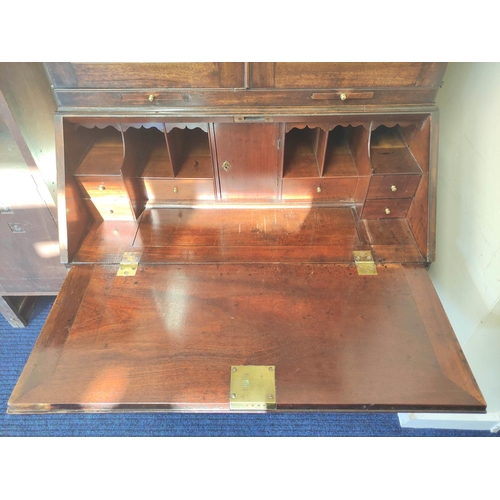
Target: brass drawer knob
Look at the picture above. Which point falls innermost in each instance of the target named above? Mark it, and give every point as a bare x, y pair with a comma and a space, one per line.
102, 187
394, 188
151, 97
387, 211
343, 96
175, 189
318, 189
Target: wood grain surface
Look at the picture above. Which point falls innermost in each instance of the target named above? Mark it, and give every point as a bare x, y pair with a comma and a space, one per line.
166, 339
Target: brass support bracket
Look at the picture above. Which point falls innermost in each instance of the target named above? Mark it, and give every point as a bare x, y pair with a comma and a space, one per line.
129, 264
364, 263
252, 388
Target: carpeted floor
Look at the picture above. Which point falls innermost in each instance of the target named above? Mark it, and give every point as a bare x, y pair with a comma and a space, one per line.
16, 344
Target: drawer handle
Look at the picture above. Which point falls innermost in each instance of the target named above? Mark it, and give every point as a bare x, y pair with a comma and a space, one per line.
102, 187
341, 95
175, 189
387, 211
394, 189
151, 97
318, 189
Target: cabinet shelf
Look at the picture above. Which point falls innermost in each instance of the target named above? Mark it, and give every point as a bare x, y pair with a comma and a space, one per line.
301, 153
389, 152
339, 161
105, 155
190, 153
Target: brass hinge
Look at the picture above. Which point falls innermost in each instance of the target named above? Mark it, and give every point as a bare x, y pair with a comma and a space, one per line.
364, 263
129, 264
252, 388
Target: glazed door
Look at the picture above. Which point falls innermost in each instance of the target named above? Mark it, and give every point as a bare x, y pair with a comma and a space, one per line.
248, 161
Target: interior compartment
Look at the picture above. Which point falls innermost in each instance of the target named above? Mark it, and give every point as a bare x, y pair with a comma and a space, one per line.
190, 153
390, 153
105, 153
156, 161
303, 156
339, 160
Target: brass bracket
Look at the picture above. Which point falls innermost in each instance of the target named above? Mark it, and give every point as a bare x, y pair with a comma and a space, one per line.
252, 388
364, 263
129, 264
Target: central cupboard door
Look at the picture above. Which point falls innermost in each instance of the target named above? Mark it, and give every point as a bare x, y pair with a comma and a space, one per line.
249, 161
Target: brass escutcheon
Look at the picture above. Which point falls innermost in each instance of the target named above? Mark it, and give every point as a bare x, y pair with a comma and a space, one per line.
226, 166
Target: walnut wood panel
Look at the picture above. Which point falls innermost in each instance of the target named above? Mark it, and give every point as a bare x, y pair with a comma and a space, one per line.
393, 186
418, 218
252, 152
377, 209
339, 189
166, 339
448, 351
223, 228
262, 75
146, 75
355, 75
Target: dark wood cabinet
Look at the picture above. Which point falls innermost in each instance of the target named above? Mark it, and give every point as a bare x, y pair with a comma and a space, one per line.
264, 234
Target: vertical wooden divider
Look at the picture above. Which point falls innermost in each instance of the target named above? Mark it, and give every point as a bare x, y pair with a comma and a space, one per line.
136, 145
359, 143
322, 141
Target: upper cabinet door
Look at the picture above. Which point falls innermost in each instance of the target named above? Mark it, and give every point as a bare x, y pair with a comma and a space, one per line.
211, 75
248, 160
297, 75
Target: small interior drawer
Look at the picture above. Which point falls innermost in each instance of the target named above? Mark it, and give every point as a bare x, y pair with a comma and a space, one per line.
386, 208
333, 189
180, 189
103, 186
393, 186
110, 209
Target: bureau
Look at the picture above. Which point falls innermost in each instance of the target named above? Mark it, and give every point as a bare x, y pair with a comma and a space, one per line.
246, 237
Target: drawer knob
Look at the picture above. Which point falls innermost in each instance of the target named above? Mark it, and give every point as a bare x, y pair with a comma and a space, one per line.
387, 211
151, 97
343, 96
175, 189
102, 187
111, 211
394, 188
318, 189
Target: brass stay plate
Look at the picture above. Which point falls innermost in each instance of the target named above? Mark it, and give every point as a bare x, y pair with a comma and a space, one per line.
364, 263
129, 264
252, 388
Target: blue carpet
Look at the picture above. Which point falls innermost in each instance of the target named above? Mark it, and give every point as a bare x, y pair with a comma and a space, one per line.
16, 345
